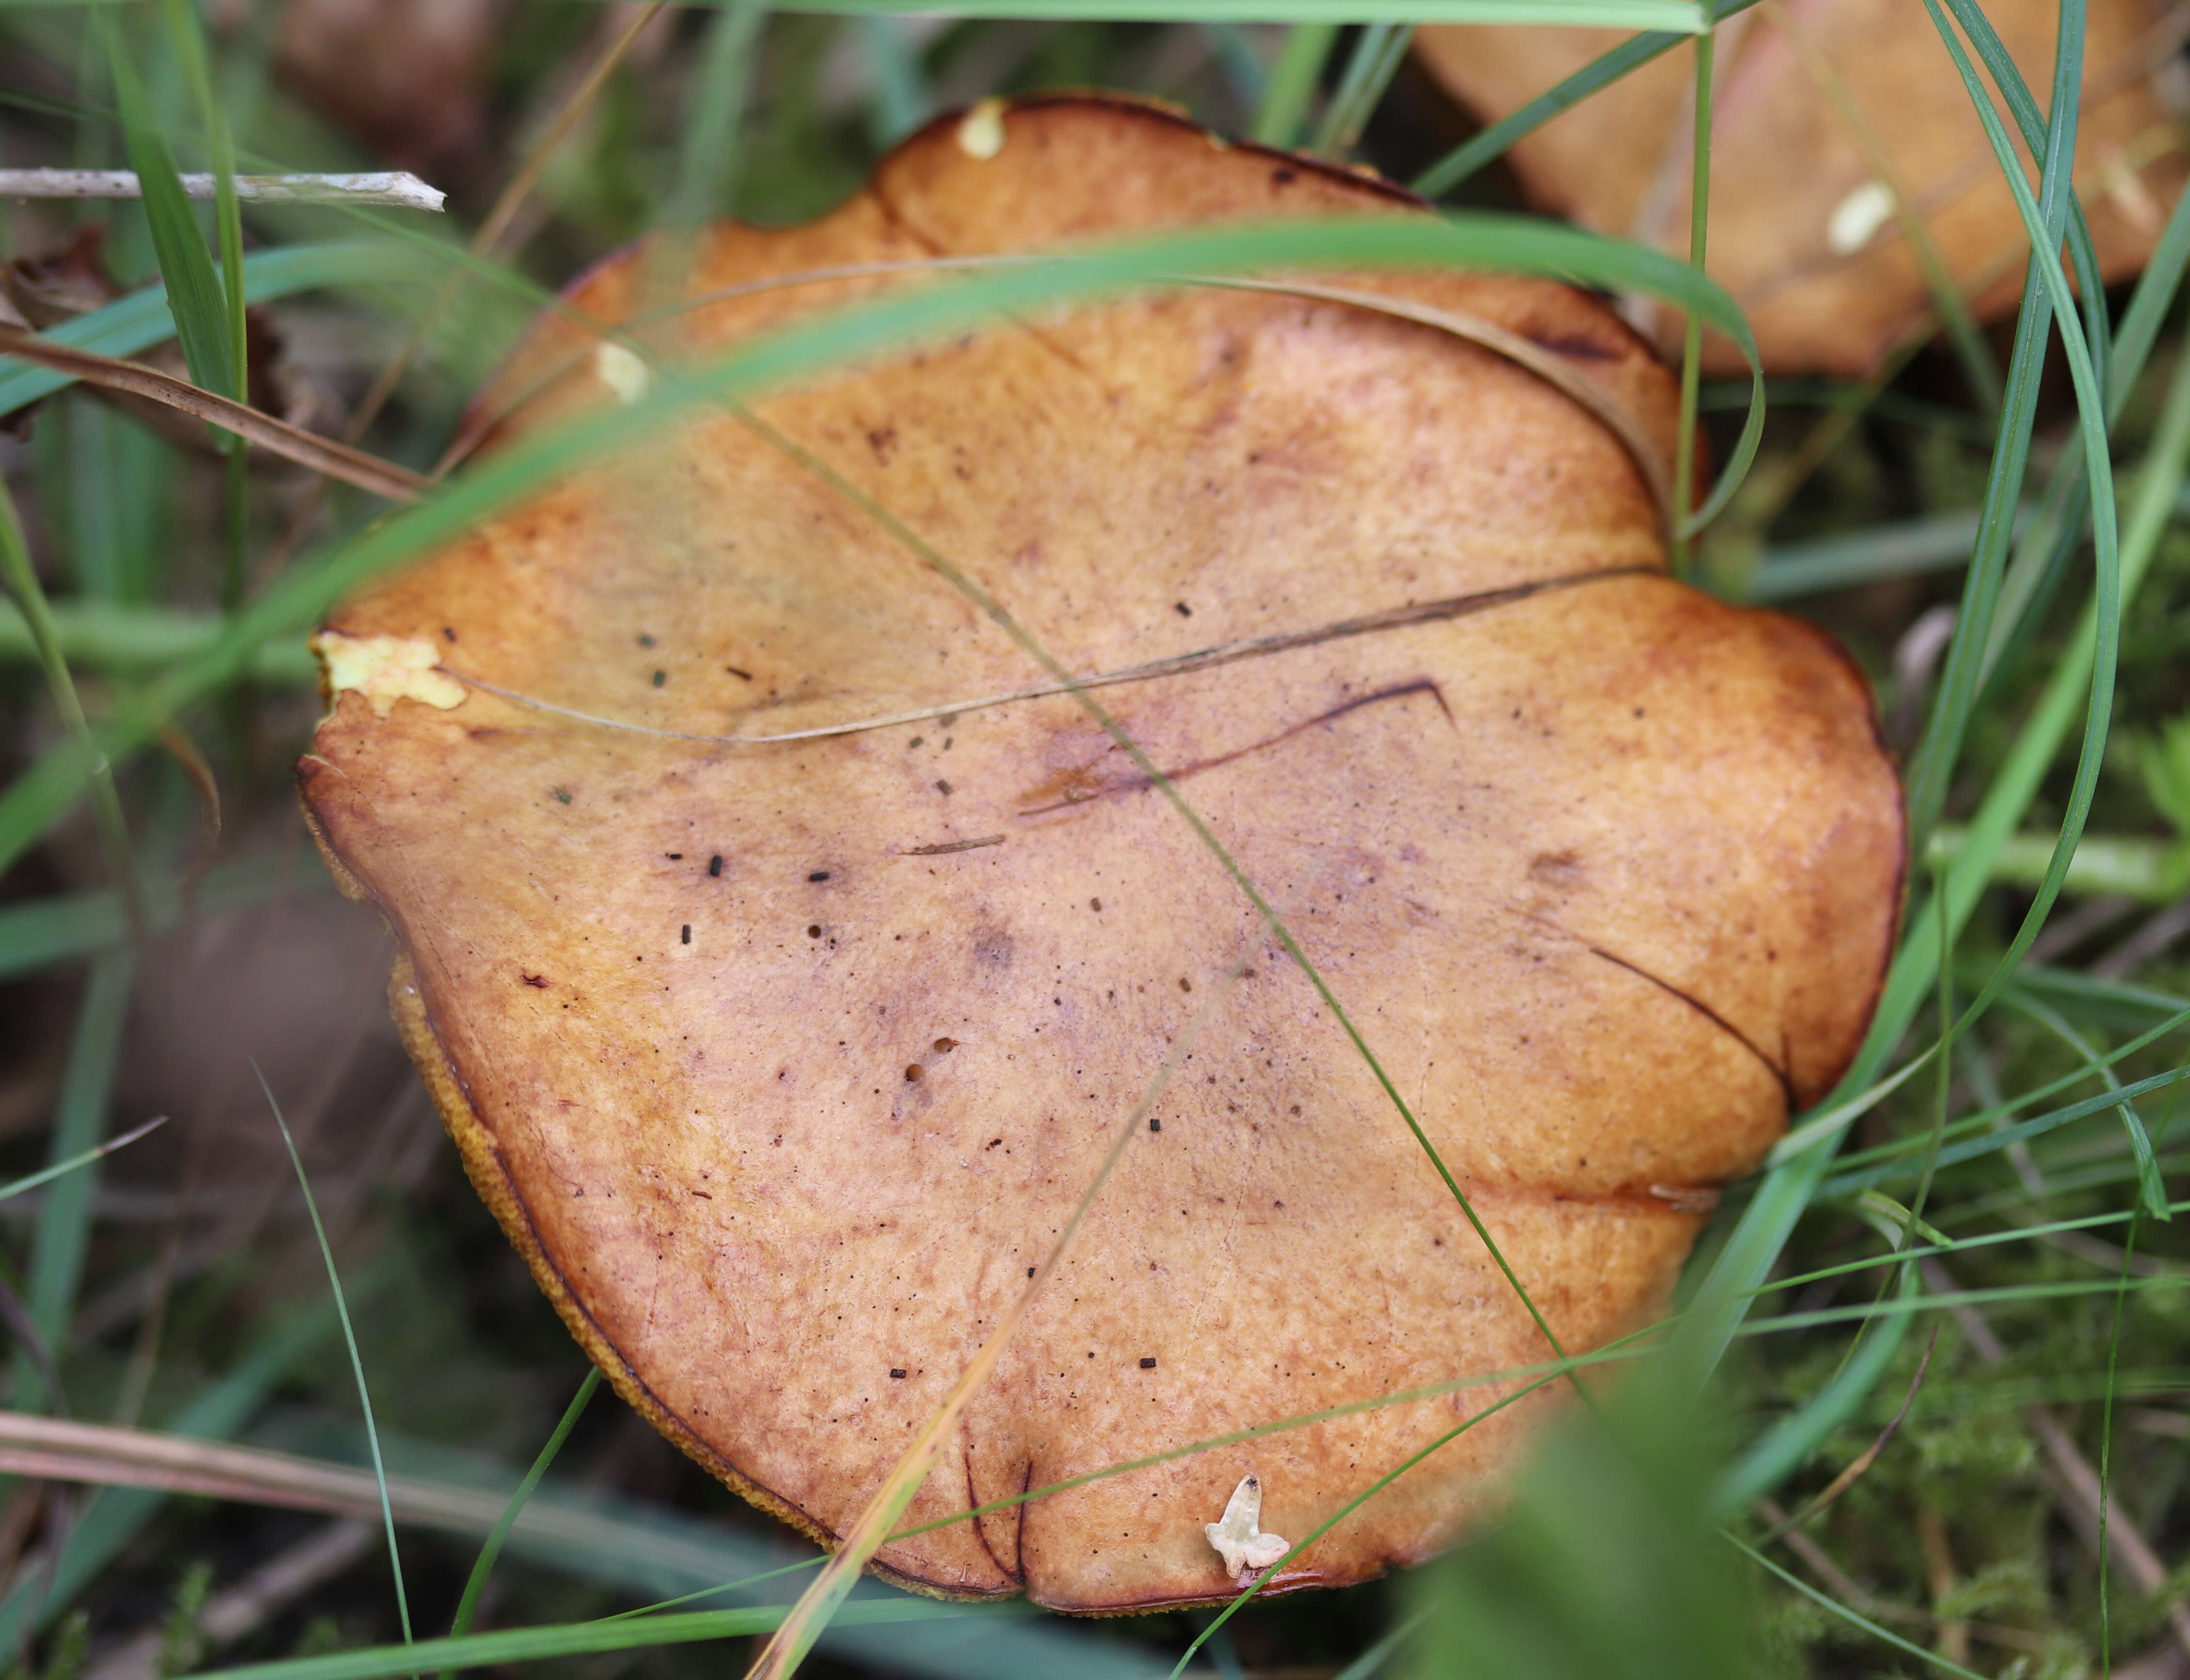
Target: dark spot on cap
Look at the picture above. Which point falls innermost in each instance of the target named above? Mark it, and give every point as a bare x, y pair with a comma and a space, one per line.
715, 864
1155, 1125
1148, 1364
447, 633
563, 795
1095, 904
918, 741
943, 1046
687, 935
742, 676
897, 1372
1283, 176
912, 1073
674, 857
942, 786
1181, 609
659, 677
1029, 1271
814, 930
645, 641
1184, 984
536, 980
818, 875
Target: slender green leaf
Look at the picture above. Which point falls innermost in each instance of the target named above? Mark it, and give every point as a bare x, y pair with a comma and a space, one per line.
195, 293
1377, 53
1495, 141
467, 1605
1293, 83
349, 1341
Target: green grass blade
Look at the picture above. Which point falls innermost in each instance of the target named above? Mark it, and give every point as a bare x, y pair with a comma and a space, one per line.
61, 1169
1691, 344
2042, 559
1785, 1193
707, 165
1775, 1453
1377, 57
195, 293
1950, 1154
1495, 141
1350, 1507
1852, 1616
1371, 1661
530, 1644
2149, 304
186, 32
2007, 76
356, 1363
2148, 1165
1940, 542
468, 1606
1932, 765
64, 1233
1299, 71
116, 639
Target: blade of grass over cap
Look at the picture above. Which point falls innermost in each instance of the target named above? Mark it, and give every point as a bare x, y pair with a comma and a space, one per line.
294, 601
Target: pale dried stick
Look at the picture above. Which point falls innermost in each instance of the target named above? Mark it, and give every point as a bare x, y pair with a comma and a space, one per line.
398, 187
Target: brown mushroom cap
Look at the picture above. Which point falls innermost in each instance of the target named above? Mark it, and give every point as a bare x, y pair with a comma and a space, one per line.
1785, 161
783, 1065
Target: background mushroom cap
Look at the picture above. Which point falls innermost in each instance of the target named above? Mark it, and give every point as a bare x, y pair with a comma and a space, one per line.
1785, 162
783, 1065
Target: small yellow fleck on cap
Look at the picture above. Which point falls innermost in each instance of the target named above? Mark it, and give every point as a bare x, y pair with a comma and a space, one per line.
385, 669
981, 130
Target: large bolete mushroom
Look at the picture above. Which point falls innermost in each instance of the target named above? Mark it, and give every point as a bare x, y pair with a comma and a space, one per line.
1825, 111
784, 1064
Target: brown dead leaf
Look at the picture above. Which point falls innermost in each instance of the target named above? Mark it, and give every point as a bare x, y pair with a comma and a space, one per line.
785, 1064
1802, 229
